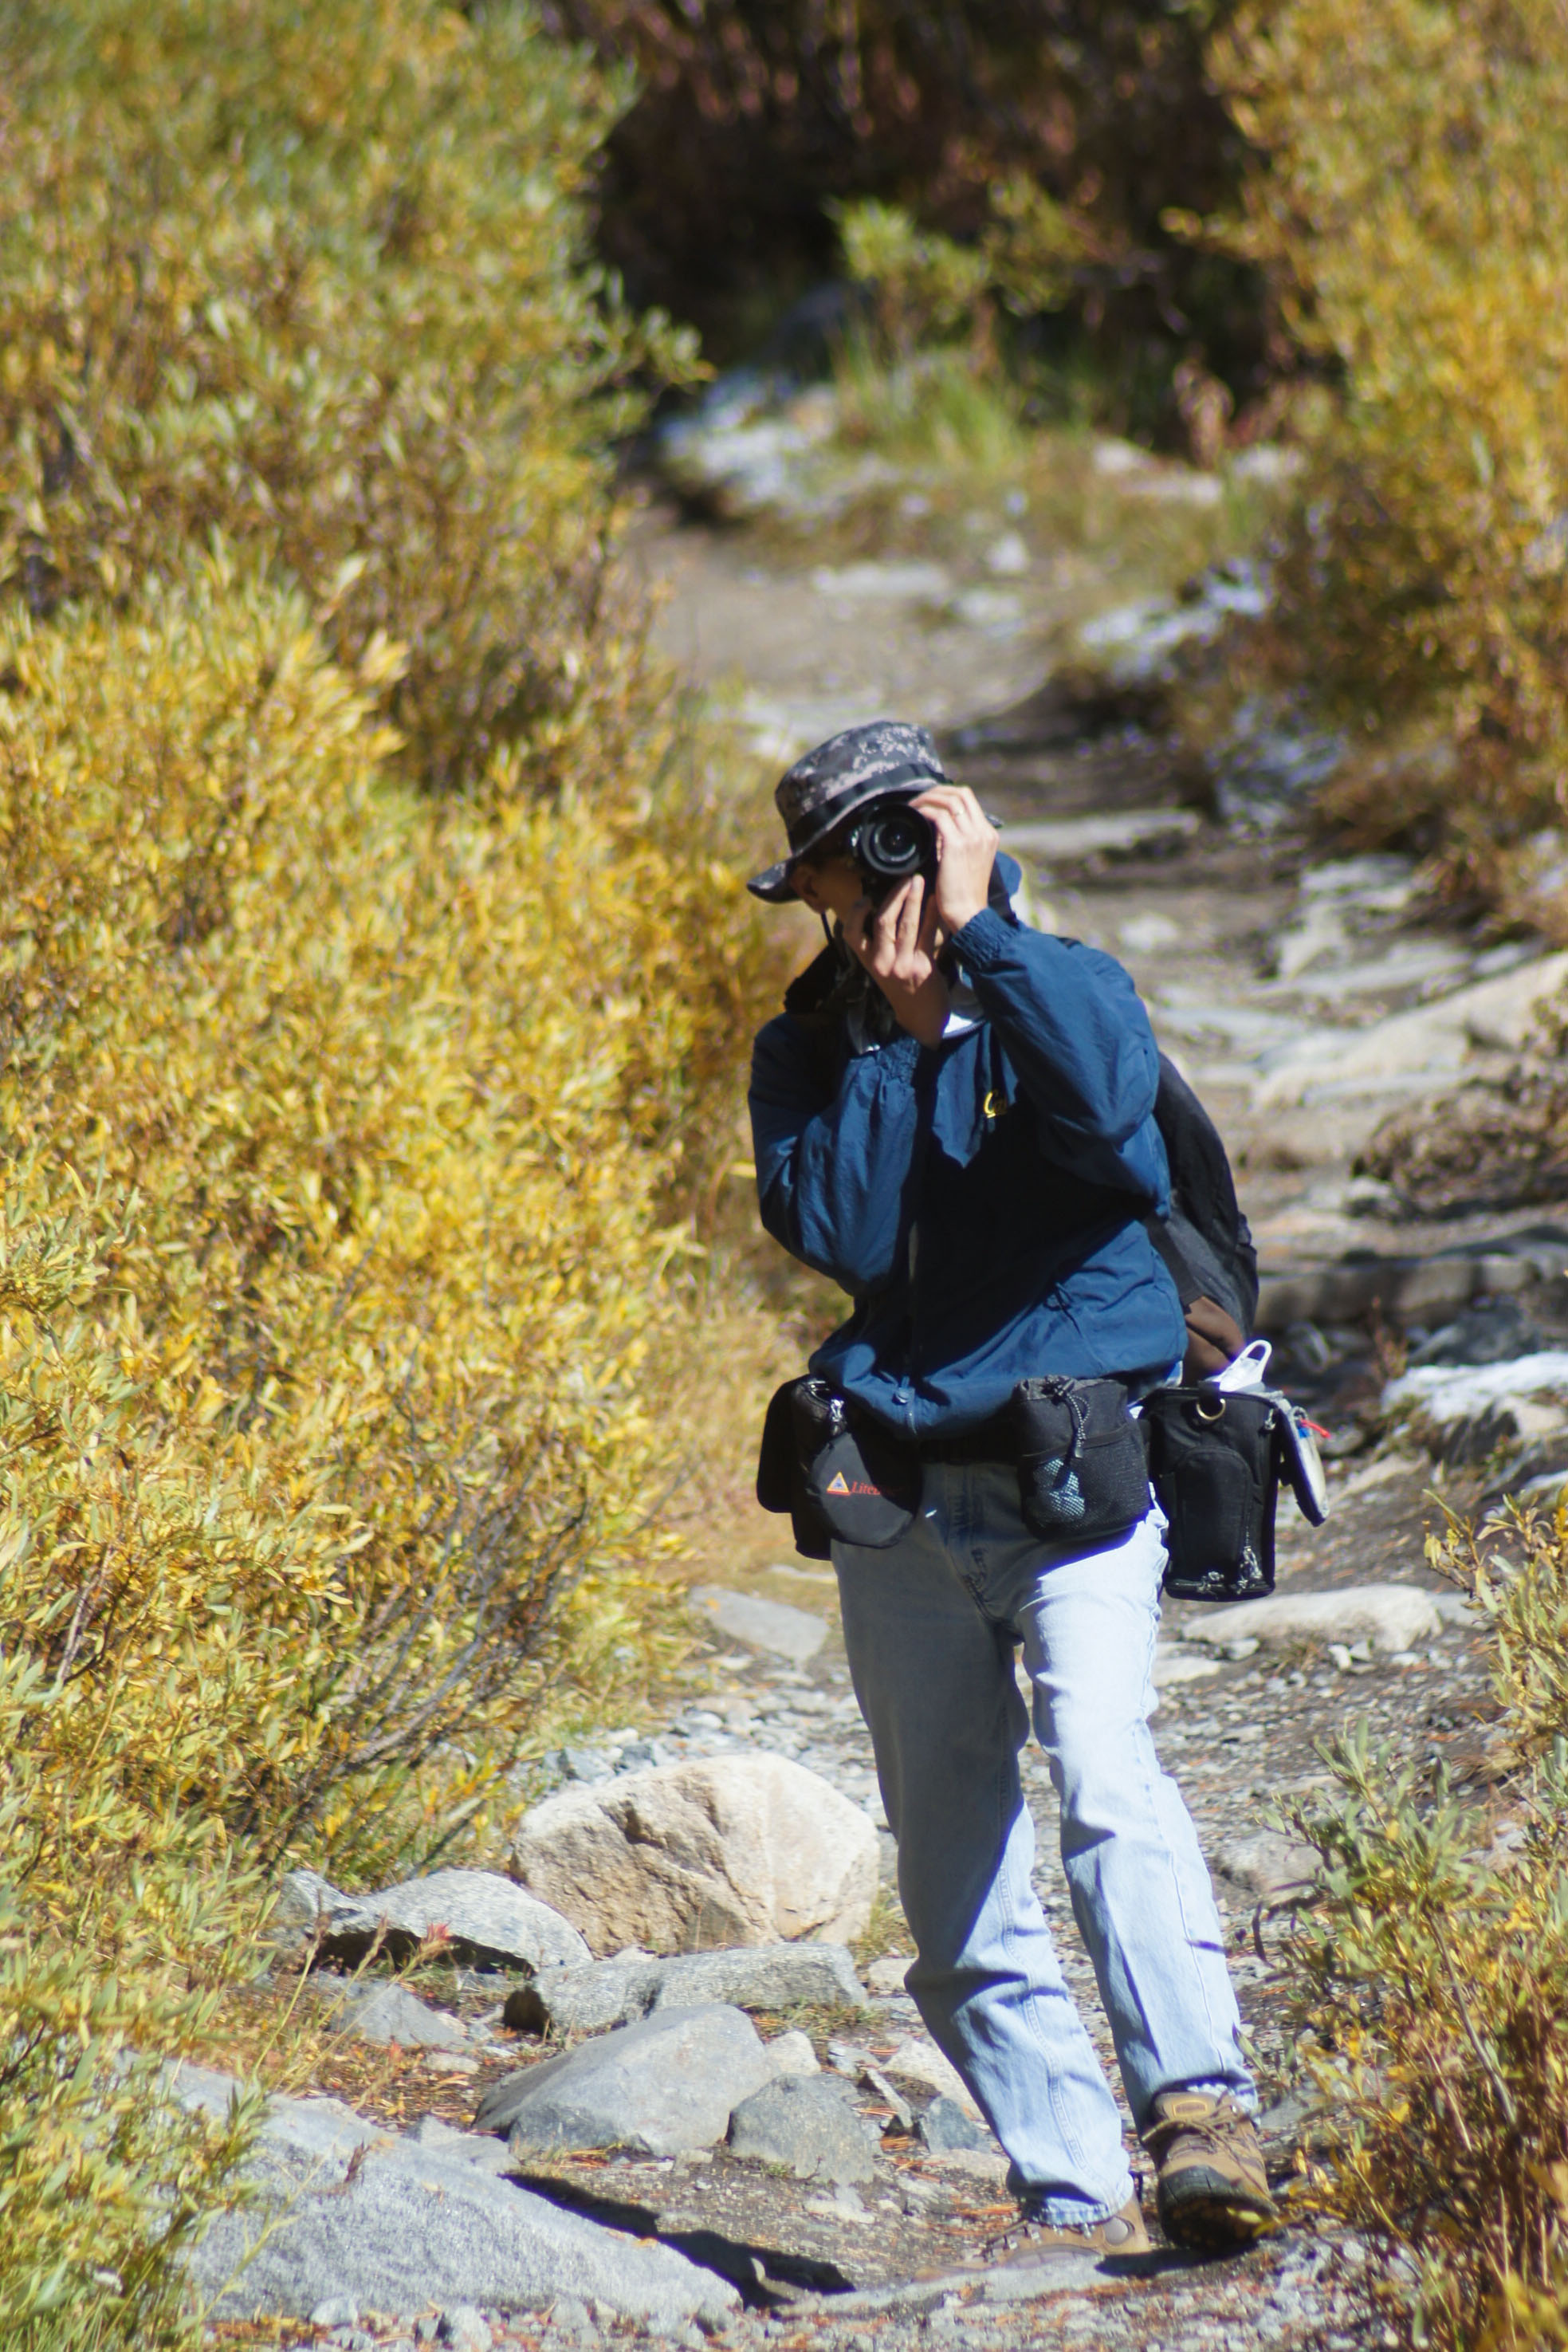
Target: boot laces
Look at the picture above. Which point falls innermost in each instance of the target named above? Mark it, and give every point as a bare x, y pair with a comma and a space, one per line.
1216, 2128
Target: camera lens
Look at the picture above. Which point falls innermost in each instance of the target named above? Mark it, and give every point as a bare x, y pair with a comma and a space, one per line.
895, 844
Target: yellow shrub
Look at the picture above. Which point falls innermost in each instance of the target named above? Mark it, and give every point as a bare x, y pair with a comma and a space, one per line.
1412, 211
1435, 1968
104, 2182
348, 1123
348, 1130
309, 272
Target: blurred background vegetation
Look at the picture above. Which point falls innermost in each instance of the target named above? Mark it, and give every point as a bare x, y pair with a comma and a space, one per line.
374, 977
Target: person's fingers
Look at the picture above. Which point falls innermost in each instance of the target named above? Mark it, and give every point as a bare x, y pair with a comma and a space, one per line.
911, 901
954, 802
926, 939
896, 915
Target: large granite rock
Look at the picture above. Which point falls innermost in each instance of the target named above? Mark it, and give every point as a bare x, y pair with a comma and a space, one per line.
346, 2211
734, 1848
668, 2082
768, 1977
487, 1918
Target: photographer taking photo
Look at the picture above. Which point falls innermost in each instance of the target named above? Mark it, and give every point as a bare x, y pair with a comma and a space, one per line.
954, 1118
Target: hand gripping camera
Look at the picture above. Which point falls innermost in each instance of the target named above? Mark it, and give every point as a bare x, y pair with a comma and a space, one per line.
890, 843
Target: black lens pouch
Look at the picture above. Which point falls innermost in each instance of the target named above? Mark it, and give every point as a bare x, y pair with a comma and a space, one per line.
1082, 1468
834, 1470
1214, 1462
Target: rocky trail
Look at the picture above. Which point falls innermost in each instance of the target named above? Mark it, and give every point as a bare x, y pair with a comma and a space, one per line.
840, 2193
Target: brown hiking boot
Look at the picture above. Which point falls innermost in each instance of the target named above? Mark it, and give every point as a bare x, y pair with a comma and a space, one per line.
1212, 2188
1029, 2242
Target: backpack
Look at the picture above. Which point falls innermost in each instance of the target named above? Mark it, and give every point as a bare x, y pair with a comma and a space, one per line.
1206, 1244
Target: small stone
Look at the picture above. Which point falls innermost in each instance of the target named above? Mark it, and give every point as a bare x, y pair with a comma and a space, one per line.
806, 2123
919, 2060
1265, 1864
767, 1977
667, 2084
1148, 934
774, 1625
337, 2311
945, 2126
1007, 556
1388, 1616
484, 1916
885, 1978
464, 2328
791, 2053
391, 2013
1171, 1667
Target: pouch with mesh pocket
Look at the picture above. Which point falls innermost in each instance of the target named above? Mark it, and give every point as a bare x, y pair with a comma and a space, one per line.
1083, 1469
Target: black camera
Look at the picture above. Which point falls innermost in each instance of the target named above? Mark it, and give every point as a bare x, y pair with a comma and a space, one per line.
889, 844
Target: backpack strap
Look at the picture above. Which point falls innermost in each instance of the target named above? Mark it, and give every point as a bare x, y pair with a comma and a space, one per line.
1179, 1267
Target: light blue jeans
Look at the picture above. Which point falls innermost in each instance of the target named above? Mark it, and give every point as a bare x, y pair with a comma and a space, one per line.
930, 1626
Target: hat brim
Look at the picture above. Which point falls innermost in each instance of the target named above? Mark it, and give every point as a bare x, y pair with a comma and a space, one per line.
774, 884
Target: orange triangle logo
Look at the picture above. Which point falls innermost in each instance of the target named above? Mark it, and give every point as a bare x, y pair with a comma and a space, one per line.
838, 1484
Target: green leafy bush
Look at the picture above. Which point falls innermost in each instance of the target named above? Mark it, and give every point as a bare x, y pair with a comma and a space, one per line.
1411, 210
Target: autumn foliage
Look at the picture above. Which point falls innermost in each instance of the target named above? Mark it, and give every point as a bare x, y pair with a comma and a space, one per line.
368, 994
1410, 213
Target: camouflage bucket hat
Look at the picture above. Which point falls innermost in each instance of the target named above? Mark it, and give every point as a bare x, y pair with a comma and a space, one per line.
885, 759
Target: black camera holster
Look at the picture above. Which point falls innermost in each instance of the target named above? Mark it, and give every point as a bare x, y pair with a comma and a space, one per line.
834, 1470
1216, 1462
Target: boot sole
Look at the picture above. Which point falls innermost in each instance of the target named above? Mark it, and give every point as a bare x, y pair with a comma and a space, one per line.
1214, 2213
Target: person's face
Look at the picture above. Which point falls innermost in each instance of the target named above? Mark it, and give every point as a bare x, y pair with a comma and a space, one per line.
832, 889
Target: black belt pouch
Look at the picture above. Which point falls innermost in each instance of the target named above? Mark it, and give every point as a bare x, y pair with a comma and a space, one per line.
834, 1470
1083, 1474
1215, 1463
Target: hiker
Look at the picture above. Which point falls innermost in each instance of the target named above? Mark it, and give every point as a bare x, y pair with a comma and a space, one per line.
953, 1117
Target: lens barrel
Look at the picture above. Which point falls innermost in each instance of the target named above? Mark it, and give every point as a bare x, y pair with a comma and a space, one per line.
892, 844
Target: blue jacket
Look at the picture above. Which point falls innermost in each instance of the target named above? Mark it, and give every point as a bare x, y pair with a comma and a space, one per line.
981, 1200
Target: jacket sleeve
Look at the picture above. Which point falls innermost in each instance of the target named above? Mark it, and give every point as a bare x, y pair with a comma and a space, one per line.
1076, 1033
832, 1173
